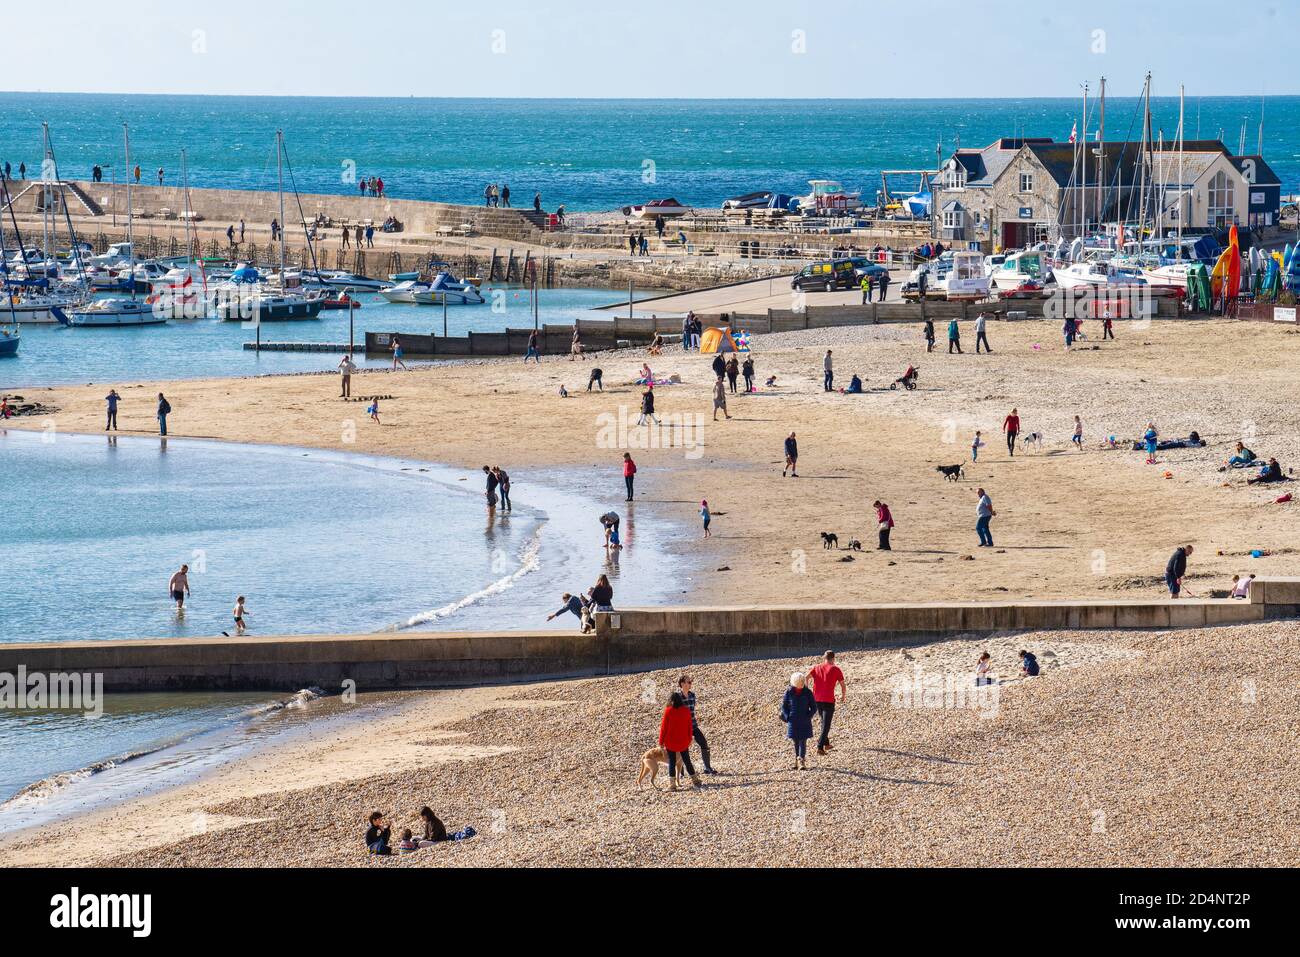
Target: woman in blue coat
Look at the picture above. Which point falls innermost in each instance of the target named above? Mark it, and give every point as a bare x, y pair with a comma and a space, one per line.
797, 710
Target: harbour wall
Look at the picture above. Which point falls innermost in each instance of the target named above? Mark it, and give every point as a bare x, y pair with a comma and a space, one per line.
626, 641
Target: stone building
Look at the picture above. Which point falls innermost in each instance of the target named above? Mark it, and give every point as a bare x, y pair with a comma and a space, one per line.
1018, 191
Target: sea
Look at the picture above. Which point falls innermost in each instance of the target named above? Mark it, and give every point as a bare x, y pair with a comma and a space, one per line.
587, 154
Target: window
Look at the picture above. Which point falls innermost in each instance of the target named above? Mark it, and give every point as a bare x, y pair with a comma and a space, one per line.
952, 219
954, 176
1026, 182
1223, 200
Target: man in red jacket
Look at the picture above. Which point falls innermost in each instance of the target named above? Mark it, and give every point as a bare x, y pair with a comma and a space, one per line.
1011, 425
825, 677
675, 738
629, 472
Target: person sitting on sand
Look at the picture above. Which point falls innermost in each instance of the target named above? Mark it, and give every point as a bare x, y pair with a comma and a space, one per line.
377, 835
1241, 459
855, 386
1029, 664
1272, 472
657, 345
1241, 586
983, 669
434, 830
771, 382
407, 845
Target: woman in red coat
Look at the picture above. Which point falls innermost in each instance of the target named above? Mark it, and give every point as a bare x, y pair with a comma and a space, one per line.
629, 473
675, 738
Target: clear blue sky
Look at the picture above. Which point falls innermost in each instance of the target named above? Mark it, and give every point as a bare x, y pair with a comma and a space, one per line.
652, 48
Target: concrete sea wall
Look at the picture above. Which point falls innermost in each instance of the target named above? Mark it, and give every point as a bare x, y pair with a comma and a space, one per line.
627, 641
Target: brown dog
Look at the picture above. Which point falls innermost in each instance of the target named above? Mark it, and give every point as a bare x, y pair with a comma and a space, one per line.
650, 762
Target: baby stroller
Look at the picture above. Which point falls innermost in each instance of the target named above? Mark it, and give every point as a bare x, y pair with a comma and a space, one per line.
908, 380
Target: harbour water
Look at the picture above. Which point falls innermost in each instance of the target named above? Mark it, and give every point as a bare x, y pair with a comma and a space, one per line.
196, 349
587, 154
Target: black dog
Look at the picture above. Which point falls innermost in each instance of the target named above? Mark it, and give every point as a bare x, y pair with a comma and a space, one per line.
855, 545
830, 540
952, 472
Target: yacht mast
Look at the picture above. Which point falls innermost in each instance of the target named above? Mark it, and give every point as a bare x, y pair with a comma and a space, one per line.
45, 201
1081, 214
130, 211
1101, 157
1181, 188
279, 162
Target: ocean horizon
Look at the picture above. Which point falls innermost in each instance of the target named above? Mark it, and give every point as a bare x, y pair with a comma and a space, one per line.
588, 154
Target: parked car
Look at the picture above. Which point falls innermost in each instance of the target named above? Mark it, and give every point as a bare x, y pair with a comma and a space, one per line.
827, 276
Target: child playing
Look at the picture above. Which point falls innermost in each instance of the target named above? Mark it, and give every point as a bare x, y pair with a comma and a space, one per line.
1241, 586
771, 381
982, 676
707, 517
564, 393
408, 842
1078, 433
612, 542
1029, 664
373, 411
975, 447
239, 613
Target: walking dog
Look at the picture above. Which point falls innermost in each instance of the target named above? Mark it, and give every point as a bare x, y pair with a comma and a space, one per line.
830, 540
650, 764
952, 473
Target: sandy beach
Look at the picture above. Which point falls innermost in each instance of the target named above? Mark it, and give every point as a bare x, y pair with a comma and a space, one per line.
1070, 524
1132, 749
1149, 731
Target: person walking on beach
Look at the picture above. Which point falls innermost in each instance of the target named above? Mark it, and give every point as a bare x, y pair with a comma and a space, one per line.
828, 372
397, 355
164, 410
533, 352
239, 612
1176, 570
179, 587
597, 379
675, 734
720, 399
1011, 426
791, 456
629, 473
747, 370
885, 524
797, 710
954, 337
648, 407
346, 368
372, 410
492, 483
929, 335
976, 445
825, 678
981, 334
1107, 327
1077, 438
684, 685
503, 487
733, 373
111, 399
983, 516
706, 516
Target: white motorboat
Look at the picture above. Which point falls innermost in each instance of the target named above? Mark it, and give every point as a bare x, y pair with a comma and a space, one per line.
117, 254
1018, 269
1097, 274
965, 278
113, 312
445, 288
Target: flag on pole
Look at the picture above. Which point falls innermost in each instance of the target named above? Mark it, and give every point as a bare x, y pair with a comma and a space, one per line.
1074, 134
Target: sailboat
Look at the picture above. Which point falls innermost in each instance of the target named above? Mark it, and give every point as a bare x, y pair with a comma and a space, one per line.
116, 312
280, 304
8, 337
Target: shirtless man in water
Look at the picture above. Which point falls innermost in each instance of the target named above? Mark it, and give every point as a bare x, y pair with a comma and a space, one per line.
179, 586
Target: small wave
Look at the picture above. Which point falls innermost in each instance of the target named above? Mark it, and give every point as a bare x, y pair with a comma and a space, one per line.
46, 788
530, 561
